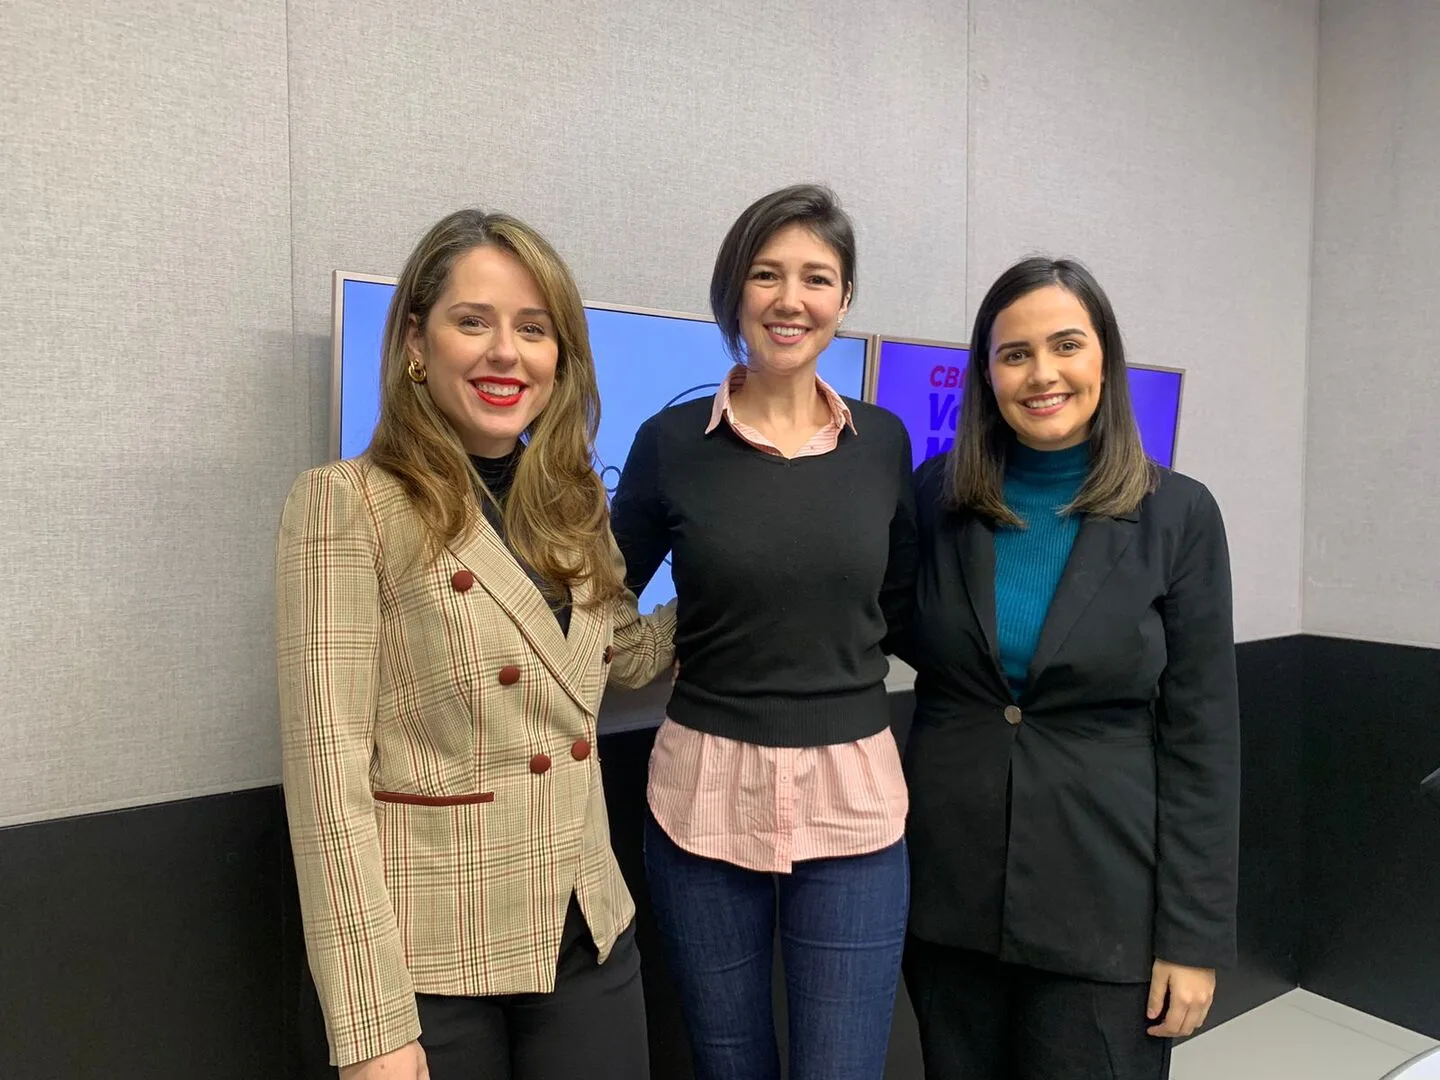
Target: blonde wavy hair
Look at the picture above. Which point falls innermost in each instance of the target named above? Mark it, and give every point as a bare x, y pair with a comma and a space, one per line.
556, 516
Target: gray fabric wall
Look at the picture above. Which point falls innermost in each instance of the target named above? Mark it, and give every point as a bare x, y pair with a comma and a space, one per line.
180, 182
150, 420
1372, 453
1170, 145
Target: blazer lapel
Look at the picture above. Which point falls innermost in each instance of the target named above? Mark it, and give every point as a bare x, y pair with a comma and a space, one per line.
975, 540
1098, 547
582, 678
485, 555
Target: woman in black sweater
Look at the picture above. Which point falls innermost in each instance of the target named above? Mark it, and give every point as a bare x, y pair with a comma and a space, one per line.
788, 515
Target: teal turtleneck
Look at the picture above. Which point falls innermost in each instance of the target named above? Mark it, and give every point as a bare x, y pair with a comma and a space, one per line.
1029, 562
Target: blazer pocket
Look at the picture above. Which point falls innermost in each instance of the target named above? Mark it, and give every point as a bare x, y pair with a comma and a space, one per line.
433, 800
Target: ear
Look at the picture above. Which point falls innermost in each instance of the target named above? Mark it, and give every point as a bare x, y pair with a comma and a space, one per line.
845, 304
414, 337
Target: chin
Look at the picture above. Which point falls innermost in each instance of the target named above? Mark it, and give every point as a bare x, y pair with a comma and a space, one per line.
780, 365
497, 432
1040, 439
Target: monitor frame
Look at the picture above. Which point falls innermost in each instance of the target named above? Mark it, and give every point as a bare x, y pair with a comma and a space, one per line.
878, 341
338, 278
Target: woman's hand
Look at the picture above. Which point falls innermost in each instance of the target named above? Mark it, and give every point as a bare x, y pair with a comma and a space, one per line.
407, 1063
1190, 990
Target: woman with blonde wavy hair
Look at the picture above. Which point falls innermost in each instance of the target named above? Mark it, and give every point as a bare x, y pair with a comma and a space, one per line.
450, 607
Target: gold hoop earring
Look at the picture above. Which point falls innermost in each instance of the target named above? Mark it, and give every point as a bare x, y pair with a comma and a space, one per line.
416, 370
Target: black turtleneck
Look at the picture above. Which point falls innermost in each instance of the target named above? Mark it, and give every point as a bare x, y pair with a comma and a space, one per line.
499, 475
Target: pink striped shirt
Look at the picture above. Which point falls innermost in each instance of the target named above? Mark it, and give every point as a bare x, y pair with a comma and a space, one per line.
767, 807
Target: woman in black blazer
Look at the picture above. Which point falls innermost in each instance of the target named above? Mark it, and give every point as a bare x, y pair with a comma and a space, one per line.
1074, 762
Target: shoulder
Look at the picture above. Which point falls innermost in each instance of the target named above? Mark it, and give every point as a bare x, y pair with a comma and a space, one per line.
335, 481
673, 428
874, 423
930, 478
933, 510
880, 434
689, 417
352, 491
673, 431
356, 477
1182, 502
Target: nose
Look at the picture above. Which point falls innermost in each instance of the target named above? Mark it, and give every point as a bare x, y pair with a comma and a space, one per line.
789, 298
504, 348
1043, 371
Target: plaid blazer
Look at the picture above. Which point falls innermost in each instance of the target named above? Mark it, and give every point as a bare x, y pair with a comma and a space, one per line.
438, 735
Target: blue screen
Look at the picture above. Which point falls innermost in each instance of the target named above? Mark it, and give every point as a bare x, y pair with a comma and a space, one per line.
365, 306
1155, 397
642, 363
923, 383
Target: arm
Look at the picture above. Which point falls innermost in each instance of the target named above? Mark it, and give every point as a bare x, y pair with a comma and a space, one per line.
327, 630
637, 512
1197, 753
644, 644
897, 594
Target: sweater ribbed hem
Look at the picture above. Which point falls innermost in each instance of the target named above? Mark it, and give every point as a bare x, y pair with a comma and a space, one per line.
785, 720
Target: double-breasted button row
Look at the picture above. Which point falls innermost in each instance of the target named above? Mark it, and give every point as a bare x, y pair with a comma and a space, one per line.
579, 750
462, 581
509, 675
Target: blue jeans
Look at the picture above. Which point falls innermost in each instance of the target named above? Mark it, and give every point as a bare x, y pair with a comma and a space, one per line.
842, 933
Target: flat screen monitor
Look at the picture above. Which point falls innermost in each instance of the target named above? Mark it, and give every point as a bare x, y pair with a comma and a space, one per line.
644, 361
922, 382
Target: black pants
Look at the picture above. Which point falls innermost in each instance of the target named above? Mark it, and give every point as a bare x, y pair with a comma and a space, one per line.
981, 1019
592, 1025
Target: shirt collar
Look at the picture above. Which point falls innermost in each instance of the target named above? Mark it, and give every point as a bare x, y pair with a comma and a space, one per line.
839, 411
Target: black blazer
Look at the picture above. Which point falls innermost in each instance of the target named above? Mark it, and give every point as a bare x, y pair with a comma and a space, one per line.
1091, 826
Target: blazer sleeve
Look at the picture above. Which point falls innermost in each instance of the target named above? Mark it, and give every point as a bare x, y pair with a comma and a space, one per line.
328, 615
644, 644
1198, 752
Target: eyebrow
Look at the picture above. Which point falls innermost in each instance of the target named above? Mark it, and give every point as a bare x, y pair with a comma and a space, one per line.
806, 266
1074, 331
489, 309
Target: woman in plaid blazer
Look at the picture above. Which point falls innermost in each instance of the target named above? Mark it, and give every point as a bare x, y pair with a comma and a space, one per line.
450, 607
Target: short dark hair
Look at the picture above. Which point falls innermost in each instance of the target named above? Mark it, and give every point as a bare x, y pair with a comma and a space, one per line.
811, 205
1121, 474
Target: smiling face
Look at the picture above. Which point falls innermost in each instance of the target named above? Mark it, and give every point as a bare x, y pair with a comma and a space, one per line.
793, 301
489, 349
1046, 367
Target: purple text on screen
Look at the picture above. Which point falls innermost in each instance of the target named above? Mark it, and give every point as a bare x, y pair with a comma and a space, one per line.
923, 385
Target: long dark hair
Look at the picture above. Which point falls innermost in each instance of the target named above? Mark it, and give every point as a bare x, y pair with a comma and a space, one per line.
1120, 476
